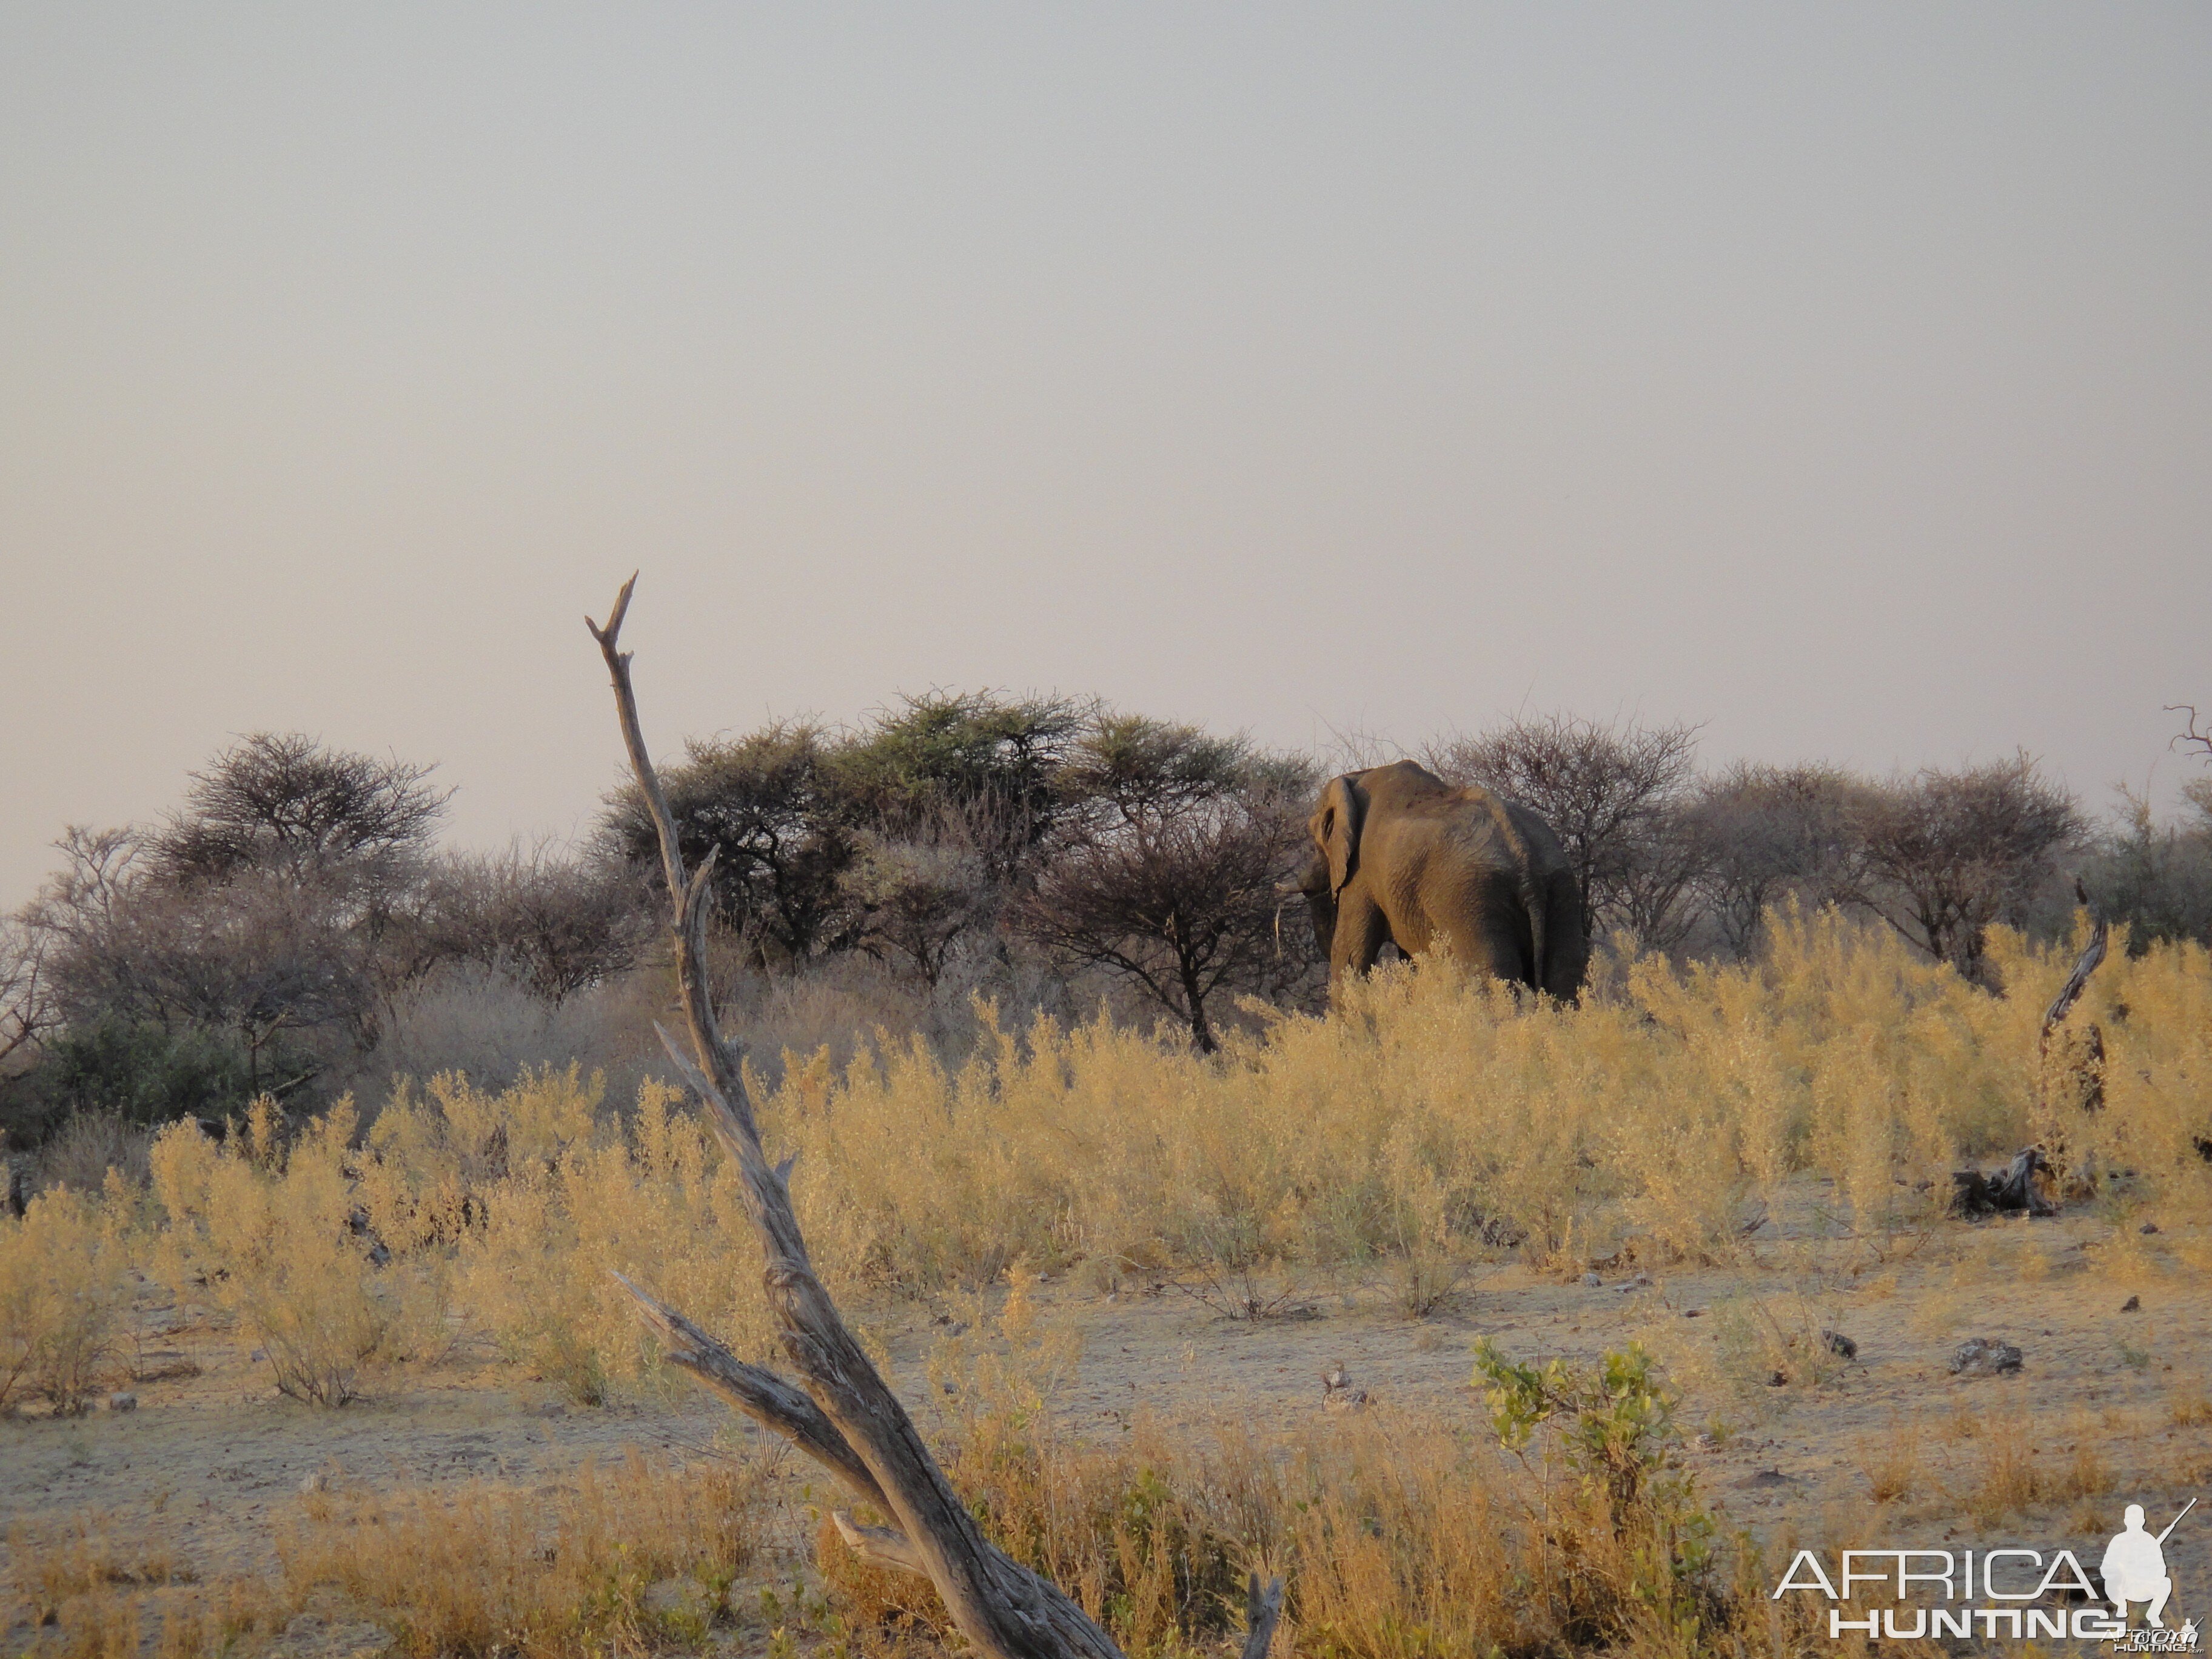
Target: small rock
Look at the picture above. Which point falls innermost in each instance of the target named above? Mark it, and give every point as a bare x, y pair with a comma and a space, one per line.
1693, 1313
1982, 1356
1592, 1279
122, 1402
1840, 1345
2147, 1227
313, 1483
2133, 1304
1777, 1381
1643, 1279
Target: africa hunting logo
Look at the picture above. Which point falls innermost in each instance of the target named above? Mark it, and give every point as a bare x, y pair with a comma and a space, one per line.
2019, 1588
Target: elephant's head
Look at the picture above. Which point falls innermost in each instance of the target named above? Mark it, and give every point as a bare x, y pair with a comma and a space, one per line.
1312, 885
1334, 828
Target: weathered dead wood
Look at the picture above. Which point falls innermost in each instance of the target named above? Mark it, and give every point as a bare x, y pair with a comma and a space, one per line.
2069, 1069
1263, 1607
847, 1418
2011, 1188
2077, 982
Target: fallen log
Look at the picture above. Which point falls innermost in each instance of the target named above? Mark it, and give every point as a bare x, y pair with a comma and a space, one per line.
2012, 1190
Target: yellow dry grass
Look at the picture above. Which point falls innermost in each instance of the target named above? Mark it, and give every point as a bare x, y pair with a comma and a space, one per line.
542, 1575
1428, 1122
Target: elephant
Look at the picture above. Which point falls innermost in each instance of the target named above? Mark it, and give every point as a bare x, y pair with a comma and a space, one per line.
1400, 857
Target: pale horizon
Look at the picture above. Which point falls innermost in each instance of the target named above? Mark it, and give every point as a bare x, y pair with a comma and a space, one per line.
1840, 380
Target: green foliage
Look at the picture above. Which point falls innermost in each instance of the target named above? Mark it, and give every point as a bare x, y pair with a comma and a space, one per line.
1619, 1426
141, 1071
2156, 877
1616, 1428
1138, 765
963, 748
767, 805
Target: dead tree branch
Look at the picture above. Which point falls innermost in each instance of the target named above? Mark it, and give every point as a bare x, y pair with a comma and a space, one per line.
847, 1418
2189, 734
2078, 980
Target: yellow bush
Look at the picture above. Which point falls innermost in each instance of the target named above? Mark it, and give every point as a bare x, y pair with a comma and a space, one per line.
657, 1203
544, 1576
278, 1236
62, 1293
1431, 1113
1428, 1120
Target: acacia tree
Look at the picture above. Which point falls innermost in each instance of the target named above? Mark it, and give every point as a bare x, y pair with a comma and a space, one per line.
1941, 855
1169, 874
256, 916
1613, 793
2157, 877
919, 895
768, 808
1768, 833
553, 921
27, 998
285, 801
262, 959
993, 761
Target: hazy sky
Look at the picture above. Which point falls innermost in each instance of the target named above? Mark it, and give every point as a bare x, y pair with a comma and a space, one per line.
1840, 377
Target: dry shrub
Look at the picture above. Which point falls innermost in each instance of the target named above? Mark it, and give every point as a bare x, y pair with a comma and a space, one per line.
1402, 1537
91, 1596
51, 1563
537, 1574
1428, 1122
656, 1201
1434, 1116
272, 1230
109, 1627
208, 1623
1757, 1343
1891, 1462
2025, 1462
89, 1145
62, 1295
2188, 1406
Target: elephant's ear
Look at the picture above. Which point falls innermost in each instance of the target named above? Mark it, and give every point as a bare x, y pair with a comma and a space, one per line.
1337, 827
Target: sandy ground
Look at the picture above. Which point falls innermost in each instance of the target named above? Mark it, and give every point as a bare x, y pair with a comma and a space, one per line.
209, 1465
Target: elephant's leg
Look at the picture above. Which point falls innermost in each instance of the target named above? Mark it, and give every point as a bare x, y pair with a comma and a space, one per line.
1361, 930
1566, 939
1490, 935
